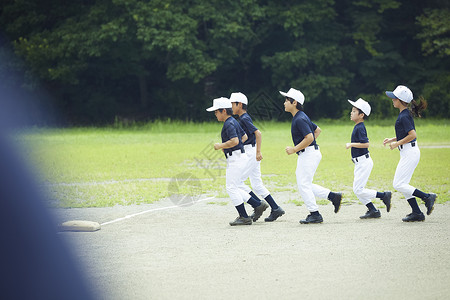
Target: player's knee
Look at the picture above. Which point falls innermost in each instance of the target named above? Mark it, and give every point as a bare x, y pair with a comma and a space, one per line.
397, 185
259, 188
230, 188
357, 190
401, 187
304, 186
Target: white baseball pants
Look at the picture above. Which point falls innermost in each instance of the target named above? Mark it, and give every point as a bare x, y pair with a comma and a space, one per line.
233, 176
363, 168
253, 170
409, 159
307, 164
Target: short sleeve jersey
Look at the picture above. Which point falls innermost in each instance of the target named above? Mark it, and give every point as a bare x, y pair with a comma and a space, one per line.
359, 135
404, 124
247, 124
302, 126
232, 129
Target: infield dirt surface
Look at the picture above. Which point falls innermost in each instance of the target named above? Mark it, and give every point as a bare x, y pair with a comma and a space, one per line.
192, 253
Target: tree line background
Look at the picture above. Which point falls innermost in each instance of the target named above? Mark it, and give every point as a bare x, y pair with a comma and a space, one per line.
94, 62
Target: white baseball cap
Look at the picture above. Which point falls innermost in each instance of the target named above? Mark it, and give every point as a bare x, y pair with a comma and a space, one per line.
218, 103
238, 97
362, 105
401, 92
294, 94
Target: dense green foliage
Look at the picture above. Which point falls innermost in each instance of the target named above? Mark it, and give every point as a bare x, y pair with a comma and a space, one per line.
133, 59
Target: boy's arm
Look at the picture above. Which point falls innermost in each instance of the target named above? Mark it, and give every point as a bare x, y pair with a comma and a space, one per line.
228, 144
317, 132
258, 138
244, 138
389, 140
309, 138
357, 145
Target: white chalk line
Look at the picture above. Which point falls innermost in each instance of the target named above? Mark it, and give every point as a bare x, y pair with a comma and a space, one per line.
152, 210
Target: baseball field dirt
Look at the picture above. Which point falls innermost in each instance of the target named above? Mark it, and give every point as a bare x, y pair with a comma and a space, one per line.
162, 251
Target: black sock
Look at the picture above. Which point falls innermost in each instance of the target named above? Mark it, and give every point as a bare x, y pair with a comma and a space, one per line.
241, 210
254, 196
315, 213
253, 202
415, 207
380, 194
271, 202
371, 207
331, 196
420, 194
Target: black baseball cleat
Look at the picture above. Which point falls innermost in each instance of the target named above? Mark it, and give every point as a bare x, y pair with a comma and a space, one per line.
429, 202
337, 202
387, 200
371, 214
312, 219
258, 211
274, 214
241, 221
414, 217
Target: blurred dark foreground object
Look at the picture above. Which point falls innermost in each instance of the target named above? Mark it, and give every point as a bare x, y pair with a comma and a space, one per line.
35, 261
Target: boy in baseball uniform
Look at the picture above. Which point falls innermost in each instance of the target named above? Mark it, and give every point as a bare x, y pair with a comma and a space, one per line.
232, 146
363, 162
252, 147
304, 134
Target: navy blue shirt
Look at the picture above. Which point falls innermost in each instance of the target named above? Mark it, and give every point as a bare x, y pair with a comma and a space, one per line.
247, 124
232, 129
301, 127
404, 124
359, 135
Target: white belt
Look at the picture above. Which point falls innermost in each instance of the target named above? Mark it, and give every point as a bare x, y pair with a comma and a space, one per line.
407, 145
360, 158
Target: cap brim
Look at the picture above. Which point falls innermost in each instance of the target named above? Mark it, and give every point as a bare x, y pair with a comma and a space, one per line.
212, 108
283, 93
351, 102
391, 95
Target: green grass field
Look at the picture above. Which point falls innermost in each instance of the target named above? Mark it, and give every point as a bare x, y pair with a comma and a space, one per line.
96, 167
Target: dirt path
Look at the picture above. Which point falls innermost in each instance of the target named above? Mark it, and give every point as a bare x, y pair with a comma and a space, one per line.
192, 253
